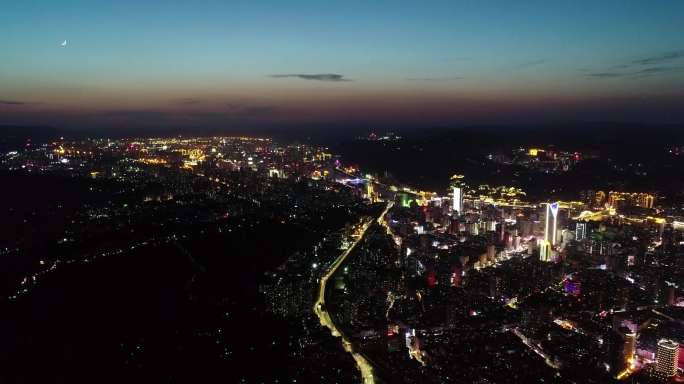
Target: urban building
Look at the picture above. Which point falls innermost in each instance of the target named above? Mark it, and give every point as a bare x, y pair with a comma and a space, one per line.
666, 358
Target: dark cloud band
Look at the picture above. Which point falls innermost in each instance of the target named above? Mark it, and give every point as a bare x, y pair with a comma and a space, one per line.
316, 76
12, 102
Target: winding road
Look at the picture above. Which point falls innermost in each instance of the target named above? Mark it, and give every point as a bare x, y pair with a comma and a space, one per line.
326, 320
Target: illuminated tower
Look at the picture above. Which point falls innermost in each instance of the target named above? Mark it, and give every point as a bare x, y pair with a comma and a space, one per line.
580, 231
370, 192
457, 187
550, 228
629, 348
502, 226
551, 223
666, 358
545, 251
457, 199
599, 198
614, 199
645, 200
621, 347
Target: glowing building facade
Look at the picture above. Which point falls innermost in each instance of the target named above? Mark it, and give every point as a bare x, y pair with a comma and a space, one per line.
370, 192
551, 223
666, 358
599, 198
457, 187
620, 199
629, 349
581, 231
457, 200
547, 245
545, 251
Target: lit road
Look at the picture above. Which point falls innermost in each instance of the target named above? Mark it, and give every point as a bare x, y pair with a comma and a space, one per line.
320, 310
536, 348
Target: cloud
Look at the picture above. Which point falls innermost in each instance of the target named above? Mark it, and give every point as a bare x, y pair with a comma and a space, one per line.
605, 75
316, 76
659, 59
656, 70
13, 102
621, 66
652, 71
446, 78
631, 69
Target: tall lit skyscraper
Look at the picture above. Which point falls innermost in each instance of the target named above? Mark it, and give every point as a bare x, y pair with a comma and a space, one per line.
580, 231
457, 199
629, 348
551, 223
550, 231
619, 199
457, 193
666, 358
622, 348
370, 192
600, 198
545, 251
645, 200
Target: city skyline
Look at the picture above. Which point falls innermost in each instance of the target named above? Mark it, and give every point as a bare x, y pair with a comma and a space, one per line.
450, 191
207, 253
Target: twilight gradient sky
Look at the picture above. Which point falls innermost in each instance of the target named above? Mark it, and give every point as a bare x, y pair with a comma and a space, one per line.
251, 63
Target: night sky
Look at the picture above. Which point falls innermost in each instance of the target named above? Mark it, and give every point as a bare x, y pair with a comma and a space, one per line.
256, 63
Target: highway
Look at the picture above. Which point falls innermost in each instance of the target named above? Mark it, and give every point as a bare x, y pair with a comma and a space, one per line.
319, 307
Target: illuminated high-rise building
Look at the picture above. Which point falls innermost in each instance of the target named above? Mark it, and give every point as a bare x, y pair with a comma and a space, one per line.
629, 348
551, 223
614, 199
457, 199
600, 198
457, 187
666, 358
370, 193
502, 226
546, 246
581, 231
645, 200
625, 199
545, 251
621, 351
